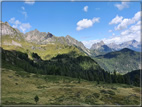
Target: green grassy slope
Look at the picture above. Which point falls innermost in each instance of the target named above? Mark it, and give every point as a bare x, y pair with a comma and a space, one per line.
122, 61
46, 52
20, 88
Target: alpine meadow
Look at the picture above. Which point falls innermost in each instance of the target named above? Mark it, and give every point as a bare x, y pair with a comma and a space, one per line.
70, 53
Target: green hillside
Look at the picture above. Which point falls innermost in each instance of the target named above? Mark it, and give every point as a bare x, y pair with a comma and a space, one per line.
46, 51
65, 64
122, 61
20, 88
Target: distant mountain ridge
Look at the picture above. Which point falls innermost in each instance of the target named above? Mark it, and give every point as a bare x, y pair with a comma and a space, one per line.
132, 44
101, 48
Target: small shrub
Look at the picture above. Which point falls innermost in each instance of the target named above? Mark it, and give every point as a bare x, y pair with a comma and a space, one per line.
16, 83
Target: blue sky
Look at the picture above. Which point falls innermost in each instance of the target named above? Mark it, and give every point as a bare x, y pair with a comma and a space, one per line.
88, 22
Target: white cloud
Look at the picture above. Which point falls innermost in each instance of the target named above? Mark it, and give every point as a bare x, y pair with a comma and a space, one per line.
122, 5
137, 16
133, 29
14, 22
110, 31
25, 26
125, 22
30, 2
86, 23
85, 8
116, 20
21, 26
95, 19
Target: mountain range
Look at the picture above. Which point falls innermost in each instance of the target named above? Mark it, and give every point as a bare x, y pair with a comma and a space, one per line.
101, 48
132, 44
48, 46
40, 41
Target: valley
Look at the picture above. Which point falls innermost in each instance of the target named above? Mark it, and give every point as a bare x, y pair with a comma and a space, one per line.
62, 71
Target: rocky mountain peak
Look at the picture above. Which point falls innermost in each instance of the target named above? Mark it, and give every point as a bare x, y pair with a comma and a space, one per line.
134, 41
6, 29
7, 23
69, 37
49, 35
101, 43
38, 37
97, 45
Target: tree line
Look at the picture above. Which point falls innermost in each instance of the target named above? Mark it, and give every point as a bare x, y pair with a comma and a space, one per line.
80, 67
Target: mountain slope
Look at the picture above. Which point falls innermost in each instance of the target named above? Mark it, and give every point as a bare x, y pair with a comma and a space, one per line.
48, 38
122, 61
65, 64
45, 44
134, 77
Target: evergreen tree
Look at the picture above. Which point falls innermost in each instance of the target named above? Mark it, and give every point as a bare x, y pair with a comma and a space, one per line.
79, 79
36, 98
115, 77
127, 79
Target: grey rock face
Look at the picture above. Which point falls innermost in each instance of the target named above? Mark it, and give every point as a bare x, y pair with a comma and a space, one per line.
47, 38
6, 29
97, 45
35, 36
100, 48
72, 41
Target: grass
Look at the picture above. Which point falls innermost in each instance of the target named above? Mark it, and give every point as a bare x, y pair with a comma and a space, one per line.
19, 87
46, 52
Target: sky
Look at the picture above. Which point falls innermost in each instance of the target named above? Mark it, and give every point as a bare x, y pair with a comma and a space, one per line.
88, 22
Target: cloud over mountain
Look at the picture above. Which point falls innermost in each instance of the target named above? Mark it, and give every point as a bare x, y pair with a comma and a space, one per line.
19, 25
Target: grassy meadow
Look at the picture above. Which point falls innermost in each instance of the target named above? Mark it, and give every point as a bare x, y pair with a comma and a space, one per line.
20, 88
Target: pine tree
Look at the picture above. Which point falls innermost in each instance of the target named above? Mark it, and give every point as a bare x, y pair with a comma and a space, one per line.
36, 98
115, 77
79, 79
